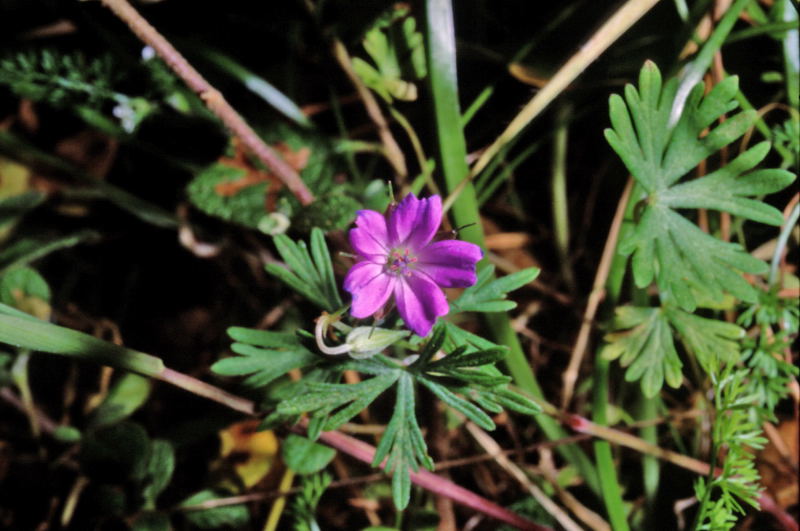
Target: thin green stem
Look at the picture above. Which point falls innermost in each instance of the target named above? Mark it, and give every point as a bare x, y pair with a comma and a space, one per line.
704, 503
761, 30
606, 470
648, 409
485, 192
695, 70
422, 159
336, 107
558, 191
476, 105
452, 154
791, 55
612, 496
19, 373
783, 239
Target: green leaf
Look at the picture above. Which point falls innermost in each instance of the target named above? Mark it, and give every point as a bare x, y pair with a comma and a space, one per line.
722, 190
688, 264
25, 289
128, 394
474, 359
25, 251
433, 346
160, 467
67, 434
488, 295
458, 337
12, 208
23, 281
322, 263
312, 279
304, 504
304, 456
403, 443
263, 338
116, 452
263, 365
504, 398
644, 344
348, 400
151, 521
397, 49
707, 339
471, 411
24, 331
227, 516
264, 355
334, 210
246, 207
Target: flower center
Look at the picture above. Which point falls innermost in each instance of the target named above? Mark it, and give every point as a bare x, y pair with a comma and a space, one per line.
401, 262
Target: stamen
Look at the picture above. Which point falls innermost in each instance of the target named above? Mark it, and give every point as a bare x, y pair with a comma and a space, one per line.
400, 261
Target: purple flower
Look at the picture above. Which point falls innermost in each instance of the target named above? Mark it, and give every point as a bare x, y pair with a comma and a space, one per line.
396, 256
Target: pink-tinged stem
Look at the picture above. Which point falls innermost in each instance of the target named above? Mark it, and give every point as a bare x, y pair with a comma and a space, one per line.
431, 482
355, 448
213, 99
200, 388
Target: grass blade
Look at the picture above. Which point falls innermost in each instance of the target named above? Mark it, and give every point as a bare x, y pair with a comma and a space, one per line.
453, 155
24, 331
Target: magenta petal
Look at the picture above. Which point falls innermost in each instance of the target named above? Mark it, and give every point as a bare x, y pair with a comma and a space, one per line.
370, 287
450, 263
370, 237
419, 302
414, 221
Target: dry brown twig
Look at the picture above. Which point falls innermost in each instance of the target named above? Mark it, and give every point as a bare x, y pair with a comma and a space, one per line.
578, 351
392, 151
491, 447
213, 98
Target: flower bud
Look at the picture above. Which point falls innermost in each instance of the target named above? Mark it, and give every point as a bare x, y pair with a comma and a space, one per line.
366, 341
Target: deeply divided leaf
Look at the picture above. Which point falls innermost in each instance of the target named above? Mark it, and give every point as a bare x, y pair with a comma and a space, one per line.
643, 342
311, 278
263, 356
644, 345
687, 264
402, 444
489, 294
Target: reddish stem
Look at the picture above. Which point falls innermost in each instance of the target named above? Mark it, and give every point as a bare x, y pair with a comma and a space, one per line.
213, 99
431, 482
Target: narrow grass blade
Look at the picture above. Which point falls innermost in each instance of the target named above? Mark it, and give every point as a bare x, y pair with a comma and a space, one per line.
258, 86
453, 156
21, 330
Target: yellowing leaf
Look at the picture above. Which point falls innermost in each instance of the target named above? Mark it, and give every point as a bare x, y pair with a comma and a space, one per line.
254, 452
14, 178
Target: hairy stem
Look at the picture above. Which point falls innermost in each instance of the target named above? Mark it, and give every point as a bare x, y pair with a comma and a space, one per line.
213, 99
